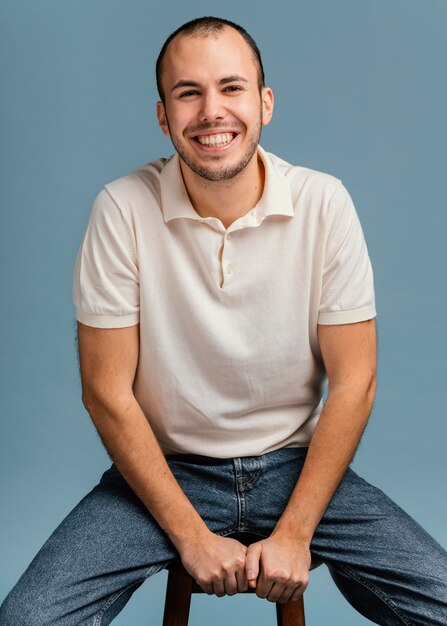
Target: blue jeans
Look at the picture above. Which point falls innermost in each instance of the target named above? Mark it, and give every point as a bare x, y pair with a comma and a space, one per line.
382, 561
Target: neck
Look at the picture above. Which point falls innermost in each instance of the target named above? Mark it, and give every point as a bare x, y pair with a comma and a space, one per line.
228, 199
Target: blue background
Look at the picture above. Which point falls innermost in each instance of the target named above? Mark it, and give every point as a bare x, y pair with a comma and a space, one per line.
360, 92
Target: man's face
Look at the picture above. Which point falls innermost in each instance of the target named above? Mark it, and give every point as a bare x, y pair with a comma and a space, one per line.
213, 110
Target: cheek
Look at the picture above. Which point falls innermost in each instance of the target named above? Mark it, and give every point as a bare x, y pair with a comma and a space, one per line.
180, 118
249, 112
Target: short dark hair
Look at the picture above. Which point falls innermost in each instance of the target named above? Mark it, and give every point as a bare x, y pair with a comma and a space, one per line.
206, 27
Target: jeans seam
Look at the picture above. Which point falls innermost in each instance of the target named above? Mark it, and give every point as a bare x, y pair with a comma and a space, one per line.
244, 484
98, 617
375, 590
239, 494
154, 569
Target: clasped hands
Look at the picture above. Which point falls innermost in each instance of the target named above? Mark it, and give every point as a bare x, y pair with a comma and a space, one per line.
276, 567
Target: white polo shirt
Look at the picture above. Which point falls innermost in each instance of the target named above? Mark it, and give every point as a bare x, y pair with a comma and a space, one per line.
229, 358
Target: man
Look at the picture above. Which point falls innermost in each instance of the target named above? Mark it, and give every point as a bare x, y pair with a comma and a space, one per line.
214, 290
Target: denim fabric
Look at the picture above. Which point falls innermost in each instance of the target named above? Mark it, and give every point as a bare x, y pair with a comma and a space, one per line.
382, 561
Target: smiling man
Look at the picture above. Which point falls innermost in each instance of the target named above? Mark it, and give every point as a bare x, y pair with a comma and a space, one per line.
213, 113
215, 293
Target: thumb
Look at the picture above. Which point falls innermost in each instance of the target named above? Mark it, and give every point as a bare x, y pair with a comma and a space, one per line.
252, 563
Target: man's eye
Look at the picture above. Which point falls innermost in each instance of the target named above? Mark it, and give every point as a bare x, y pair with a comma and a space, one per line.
191, 92
232, 88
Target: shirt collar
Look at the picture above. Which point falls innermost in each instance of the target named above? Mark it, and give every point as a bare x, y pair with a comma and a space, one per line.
275, 200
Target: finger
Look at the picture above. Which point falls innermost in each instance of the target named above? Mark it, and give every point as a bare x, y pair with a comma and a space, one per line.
242, 583
276, 592
206, 588
264, 586
230, 585
218, 588
252, 563
292, 592
289, 591
298, 593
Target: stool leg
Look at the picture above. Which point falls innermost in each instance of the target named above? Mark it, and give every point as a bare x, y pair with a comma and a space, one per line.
178, 599
290, 613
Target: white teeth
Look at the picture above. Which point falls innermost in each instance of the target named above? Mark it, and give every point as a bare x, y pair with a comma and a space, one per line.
215, 140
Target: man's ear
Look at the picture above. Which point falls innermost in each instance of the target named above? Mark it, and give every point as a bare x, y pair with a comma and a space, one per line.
162, 120
267, 105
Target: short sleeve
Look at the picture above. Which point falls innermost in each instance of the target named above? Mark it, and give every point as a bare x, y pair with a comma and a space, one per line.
105, 276
347, 294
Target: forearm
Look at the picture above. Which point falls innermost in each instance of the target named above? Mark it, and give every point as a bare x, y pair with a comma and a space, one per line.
332, 447
135, 451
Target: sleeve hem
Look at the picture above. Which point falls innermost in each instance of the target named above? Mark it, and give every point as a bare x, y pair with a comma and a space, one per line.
347, 317
107, 321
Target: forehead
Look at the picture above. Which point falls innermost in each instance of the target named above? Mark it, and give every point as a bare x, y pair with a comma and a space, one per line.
214, 56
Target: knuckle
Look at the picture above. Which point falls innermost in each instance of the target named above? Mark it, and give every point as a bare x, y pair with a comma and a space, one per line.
281, 578
278, 575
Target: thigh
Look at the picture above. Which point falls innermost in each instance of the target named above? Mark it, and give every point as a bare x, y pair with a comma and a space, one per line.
386, 565
92, 563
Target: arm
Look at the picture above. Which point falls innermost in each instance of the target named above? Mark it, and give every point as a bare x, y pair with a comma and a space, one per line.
349, 354
108, 362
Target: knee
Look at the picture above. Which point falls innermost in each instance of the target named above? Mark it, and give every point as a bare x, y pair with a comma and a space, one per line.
10, 612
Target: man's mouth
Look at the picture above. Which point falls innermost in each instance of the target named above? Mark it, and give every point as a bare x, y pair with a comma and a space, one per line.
216, 140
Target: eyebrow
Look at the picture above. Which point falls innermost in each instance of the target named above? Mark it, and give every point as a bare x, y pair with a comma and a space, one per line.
234, 78
223, 81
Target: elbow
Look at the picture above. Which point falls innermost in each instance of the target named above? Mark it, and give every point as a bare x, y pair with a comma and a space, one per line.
106, 401
92, 402
357, 394
88, 401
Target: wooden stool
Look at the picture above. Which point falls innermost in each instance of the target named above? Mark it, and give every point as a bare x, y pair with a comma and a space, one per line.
181, 585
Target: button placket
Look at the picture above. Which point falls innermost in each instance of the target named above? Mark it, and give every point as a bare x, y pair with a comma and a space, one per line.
227, 267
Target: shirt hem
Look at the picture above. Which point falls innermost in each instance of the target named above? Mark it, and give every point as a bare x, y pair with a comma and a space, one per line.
347, 317
107, 321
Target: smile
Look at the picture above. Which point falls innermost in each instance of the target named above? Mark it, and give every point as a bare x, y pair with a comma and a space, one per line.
215, 140
218, 140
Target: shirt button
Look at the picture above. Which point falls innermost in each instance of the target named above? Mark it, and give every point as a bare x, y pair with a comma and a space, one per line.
229, 269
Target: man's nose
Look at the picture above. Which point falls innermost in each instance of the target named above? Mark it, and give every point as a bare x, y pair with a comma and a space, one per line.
212, 107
